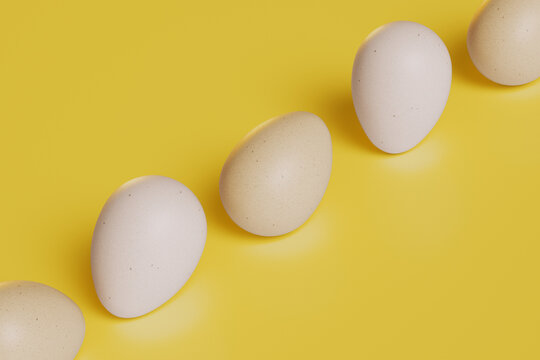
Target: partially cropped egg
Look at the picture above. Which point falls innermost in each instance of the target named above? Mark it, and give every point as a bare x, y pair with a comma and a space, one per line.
504, 41
276, 176
38, 322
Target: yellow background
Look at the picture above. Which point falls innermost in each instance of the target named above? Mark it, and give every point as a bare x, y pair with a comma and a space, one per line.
433, 254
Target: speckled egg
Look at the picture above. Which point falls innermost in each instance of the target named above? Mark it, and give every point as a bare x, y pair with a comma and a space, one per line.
147, 242
504, 41
400, 84
276, 176
38, 322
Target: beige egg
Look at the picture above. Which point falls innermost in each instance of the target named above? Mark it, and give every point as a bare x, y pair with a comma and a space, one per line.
38, 322
276, 176
504, 41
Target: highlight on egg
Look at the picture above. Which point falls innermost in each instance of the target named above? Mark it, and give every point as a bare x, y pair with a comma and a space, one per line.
400, 84
38, 322
275, 178
504, 41
147, 242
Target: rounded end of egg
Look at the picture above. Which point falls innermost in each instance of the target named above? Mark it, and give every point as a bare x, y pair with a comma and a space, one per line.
276, 176
503, 41
42, 319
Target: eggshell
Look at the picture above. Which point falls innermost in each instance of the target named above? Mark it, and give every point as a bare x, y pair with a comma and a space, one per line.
38, 322
147, 241
504, 41
276, 176
400, 84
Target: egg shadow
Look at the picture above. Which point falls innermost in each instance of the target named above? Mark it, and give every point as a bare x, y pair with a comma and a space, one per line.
213, 208
80, 273
462, 66
338, 112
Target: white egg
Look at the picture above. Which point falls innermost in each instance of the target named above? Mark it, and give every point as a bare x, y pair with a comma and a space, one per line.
400, 84
38, 322
147, 242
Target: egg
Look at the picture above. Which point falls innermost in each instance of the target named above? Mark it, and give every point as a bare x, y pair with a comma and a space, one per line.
146, 244
400, 84
504, 41
276, 176
38, 322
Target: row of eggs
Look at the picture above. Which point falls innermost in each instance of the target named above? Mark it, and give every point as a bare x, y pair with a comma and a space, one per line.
151, 232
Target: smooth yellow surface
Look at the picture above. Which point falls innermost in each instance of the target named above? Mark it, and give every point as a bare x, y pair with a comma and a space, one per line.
433, 254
